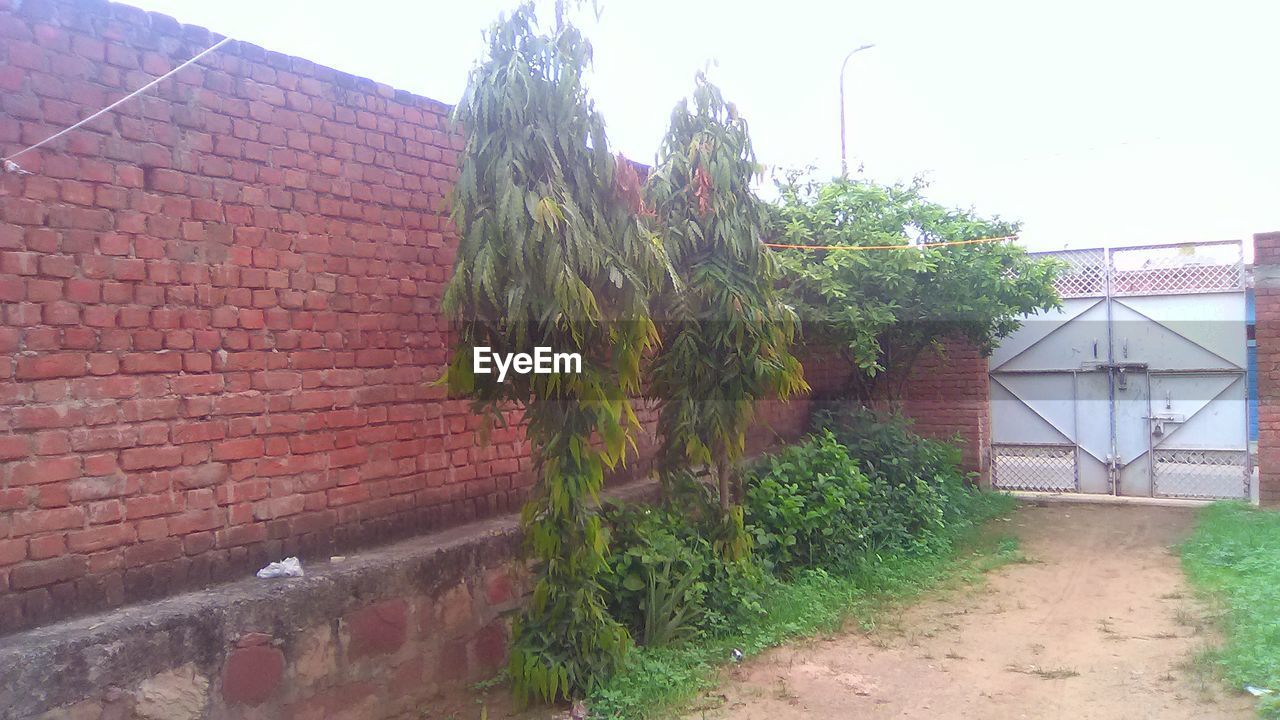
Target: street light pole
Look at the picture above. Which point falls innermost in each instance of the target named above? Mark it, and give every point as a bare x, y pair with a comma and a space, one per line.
844, 162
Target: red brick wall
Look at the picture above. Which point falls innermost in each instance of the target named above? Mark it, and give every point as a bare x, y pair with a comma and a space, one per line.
777, 421
1266, 260
949, 395
219, 317
946, 395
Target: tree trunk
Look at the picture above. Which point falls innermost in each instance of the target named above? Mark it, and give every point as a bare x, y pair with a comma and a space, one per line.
722, 480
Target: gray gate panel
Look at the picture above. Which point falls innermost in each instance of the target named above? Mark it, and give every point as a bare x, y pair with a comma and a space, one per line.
1198, 410
1094, 476
1134, 477
1153, 339
1037, 328
1132, 434
1068, 347
1034, 407
1143, 339
1203, 320
1093, 415
1200, 434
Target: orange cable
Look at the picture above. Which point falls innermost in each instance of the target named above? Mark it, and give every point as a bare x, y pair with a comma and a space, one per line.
890, 247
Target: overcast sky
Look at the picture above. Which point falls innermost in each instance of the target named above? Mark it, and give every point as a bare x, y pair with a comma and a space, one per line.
1093, 122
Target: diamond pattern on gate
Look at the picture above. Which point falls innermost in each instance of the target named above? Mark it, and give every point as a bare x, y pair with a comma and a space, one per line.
1177, 269
1085, 274
1201, 474
1045, 468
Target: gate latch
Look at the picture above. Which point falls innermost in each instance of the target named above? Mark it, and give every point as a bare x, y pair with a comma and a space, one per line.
1159, 419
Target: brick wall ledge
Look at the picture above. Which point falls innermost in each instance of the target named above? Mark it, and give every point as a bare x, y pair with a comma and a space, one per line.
394, 625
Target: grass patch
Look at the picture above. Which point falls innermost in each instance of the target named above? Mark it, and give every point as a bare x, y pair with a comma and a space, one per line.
658, 682
1234, 557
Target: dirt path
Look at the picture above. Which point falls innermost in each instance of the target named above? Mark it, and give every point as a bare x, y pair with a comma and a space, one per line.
1098, 624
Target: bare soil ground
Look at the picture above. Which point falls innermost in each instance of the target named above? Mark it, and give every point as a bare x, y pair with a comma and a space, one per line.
1097, 624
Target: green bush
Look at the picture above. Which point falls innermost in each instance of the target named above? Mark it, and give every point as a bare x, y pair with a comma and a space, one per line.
863, 486
917, 485
667, 581
805, 506
657, 681
861, 508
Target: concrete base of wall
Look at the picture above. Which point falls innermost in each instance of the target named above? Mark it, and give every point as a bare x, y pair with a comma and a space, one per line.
375, 636
385, 630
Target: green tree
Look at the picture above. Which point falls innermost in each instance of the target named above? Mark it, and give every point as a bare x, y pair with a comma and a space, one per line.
725, 333
883, 308
550, 255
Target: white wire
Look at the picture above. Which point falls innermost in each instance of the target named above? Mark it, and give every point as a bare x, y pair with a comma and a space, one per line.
121, 101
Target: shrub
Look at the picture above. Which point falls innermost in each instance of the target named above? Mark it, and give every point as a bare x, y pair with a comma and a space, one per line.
917, 486
862, 487
805, 506
668, 582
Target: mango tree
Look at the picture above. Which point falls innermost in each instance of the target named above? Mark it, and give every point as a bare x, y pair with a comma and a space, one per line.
882, 309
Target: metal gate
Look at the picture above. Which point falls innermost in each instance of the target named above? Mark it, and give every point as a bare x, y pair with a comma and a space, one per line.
1136, 386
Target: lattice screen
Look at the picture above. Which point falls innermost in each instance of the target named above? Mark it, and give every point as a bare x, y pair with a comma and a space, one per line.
1086, 274
1152, 269
1190, 268
1050, 468
1201, 473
